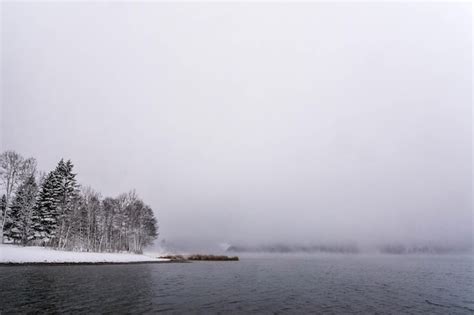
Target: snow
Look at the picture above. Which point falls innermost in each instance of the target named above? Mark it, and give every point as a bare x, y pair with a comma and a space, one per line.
36, 254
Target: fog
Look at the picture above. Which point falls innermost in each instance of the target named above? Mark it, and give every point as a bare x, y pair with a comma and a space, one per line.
253, 123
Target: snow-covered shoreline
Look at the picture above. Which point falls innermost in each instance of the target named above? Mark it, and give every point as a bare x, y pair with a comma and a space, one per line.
12, 254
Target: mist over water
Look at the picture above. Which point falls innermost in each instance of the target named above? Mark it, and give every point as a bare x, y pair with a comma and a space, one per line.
254, 124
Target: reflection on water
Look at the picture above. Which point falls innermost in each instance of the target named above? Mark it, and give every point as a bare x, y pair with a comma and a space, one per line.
319, 283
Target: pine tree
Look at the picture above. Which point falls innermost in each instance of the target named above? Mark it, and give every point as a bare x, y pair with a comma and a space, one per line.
20, 227
67, 202
45, 218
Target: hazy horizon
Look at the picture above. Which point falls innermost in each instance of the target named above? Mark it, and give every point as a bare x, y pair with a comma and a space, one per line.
253, 123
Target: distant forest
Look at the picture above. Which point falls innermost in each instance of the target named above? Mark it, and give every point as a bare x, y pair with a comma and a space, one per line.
54, 210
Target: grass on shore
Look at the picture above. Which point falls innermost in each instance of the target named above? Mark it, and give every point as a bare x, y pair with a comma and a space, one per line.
199, 257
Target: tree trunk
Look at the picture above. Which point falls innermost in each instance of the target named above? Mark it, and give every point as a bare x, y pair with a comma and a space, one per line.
4, 219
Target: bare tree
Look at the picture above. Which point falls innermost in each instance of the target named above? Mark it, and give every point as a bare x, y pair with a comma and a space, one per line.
14, 169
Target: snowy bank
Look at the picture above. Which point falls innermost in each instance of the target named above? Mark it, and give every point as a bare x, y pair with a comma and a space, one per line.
11, 254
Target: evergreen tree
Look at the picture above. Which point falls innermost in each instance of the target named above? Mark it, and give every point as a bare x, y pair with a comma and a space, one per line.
67, 202
67, 182
20, 226
45, 218
14, 170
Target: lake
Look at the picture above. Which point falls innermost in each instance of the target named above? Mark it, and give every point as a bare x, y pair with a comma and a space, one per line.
264, 284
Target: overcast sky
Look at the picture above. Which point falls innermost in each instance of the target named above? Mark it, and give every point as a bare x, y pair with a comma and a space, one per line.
242, 122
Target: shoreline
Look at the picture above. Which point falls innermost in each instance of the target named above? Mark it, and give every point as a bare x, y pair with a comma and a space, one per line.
14, 255
19, 264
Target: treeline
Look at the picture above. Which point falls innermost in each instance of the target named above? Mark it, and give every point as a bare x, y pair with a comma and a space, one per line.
438, 249
285, 248
54, 210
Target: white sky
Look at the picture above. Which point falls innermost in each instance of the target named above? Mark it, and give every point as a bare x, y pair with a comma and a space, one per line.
240, 122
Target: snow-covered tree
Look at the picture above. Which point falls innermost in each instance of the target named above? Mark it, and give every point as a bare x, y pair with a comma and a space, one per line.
14, 169
68, 200
45, 219
106, 219
86, 220
20, 222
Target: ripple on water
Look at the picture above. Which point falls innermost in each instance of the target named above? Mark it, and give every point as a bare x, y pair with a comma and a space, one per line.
326, 283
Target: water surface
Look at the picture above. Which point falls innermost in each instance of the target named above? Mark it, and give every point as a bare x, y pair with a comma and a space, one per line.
278, 284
